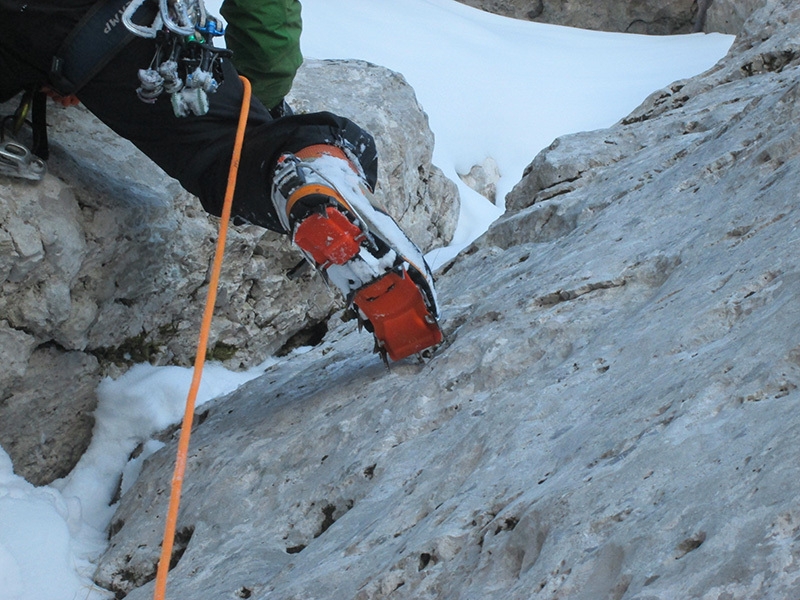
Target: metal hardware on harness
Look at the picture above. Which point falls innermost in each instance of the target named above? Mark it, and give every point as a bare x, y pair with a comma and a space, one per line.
189, 15
17, 161
186, 64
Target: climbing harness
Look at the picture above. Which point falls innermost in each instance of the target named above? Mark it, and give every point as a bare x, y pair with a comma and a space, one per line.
186, 65
202, 347
92, 44
89, 47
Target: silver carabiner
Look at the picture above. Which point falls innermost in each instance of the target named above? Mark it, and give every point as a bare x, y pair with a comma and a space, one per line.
140, 30
187, 17
17, 161
186, 25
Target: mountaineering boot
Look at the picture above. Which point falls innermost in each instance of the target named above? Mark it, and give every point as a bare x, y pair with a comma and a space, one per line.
324, 203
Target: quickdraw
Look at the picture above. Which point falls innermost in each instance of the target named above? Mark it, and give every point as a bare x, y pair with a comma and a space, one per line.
186, 65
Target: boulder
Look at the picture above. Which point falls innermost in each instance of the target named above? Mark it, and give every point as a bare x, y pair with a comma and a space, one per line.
415, 191
105, 263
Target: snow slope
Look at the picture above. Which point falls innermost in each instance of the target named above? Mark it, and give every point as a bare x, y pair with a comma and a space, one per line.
499, 87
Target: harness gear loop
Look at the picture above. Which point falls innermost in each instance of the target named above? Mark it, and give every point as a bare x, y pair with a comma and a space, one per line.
202, 346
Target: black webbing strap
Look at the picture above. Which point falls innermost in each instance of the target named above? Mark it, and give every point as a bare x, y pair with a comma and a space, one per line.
40, 146
94, 41
33, 105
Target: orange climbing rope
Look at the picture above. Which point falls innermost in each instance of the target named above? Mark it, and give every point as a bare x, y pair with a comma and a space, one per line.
202, 345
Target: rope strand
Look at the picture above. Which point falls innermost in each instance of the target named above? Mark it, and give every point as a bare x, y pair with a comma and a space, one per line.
202, 346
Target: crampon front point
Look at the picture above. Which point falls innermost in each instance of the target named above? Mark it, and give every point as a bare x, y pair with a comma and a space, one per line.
396, 309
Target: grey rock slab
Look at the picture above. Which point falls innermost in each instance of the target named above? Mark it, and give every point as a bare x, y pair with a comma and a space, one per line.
614, 413
483, 179
44, 436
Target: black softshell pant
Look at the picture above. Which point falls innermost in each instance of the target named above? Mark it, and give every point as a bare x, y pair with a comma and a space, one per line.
194, 150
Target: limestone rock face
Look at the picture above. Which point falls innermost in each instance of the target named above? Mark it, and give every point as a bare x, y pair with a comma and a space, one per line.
614, 413
483, 179
412, 189
728, 16
105, 264
647, 16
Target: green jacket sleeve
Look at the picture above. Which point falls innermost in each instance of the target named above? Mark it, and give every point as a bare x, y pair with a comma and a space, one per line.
265, 38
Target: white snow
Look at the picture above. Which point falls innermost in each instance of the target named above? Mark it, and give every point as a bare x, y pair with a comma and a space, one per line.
492, 87
49, 534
